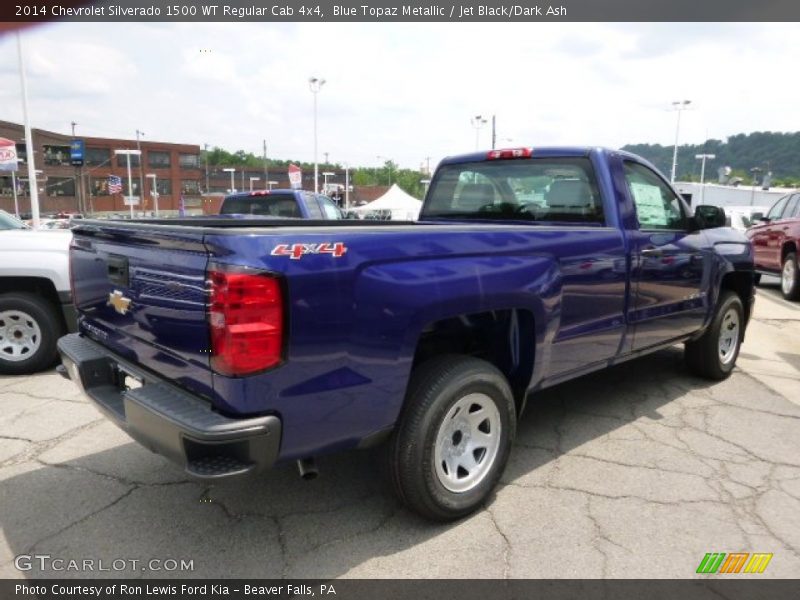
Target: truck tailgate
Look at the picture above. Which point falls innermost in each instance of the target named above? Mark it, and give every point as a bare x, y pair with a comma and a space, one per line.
142, 294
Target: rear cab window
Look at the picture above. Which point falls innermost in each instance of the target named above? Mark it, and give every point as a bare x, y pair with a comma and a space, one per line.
281, 204
547, 189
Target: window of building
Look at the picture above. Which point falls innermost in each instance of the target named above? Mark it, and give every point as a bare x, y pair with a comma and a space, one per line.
158, 160
122, 160
60, 186
56, 155
99, 186
190, 186
164, 186
189, 161
97, 156
22, 151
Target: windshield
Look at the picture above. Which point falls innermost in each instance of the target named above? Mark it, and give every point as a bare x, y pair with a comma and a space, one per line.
272, 205
8, 221
537, 189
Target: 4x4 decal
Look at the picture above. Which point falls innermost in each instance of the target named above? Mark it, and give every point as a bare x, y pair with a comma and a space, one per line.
298, 251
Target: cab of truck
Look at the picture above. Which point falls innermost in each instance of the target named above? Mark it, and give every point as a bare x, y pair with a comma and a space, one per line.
291, 204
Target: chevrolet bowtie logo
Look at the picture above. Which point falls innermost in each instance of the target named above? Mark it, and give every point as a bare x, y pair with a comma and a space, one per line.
119, 302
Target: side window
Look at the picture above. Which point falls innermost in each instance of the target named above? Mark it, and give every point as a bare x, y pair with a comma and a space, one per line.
314, 211
657, 206
792, 207
329, 209
777, 209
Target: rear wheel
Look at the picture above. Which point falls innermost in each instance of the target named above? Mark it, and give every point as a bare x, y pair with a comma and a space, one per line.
453, 438
714, 354
790, 277
29, 330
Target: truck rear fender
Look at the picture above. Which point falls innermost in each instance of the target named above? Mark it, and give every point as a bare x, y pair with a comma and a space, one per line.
495, 307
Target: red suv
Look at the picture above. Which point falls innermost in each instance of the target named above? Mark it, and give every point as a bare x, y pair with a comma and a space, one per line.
776, 239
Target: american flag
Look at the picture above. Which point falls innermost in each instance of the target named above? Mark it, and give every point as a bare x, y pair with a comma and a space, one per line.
114, 184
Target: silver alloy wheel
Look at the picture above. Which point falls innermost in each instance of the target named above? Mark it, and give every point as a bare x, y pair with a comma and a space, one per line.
467, 443
20, 336
728, 336
787, 276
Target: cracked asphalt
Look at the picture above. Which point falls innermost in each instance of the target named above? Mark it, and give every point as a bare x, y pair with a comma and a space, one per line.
634, 472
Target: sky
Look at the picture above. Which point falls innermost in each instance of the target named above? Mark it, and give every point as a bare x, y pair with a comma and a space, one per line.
405, 92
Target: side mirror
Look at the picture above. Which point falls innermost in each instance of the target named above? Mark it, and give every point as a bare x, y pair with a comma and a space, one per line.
708, 217
757, 216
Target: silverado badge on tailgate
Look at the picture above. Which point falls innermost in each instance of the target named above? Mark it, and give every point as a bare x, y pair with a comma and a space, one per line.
119, 302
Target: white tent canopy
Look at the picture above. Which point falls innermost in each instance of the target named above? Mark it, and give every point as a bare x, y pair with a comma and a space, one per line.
404, 206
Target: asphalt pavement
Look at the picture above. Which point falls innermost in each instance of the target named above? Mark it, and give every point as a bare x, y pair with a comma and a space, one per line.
635, 472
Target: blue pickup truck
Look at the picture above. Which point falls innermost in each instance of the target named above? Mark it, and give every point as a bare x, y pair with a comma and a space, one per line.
292, 204
232, 346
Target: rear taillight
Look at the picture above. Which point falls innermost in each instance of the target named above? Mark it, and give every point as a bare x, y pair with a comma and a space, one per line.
245, 318
510, 153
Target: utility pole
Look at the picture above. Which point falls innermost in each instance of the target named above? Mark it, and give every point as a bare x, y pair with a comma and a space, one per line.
326, 157
494, 131
427, 165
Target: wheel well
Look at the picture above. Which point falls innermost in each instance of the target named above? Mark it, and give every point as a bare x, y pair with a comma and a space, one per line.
786, 249
33, 285
504, 338
741, 283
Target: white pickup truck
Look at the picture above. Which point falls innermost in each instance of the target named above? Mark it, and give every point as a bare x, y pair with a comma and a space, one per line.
35, 300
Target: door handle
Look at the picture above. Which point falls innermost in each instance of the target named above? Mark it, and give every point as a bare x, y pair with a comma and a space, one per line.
653, 252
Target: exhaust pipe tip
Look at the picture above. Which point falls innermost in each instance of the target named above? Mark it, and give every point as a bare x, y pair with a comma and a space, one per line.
307, 467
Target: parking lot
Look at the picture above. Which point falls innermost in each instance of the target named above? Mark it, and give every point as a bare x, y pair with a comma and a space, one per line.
636, 472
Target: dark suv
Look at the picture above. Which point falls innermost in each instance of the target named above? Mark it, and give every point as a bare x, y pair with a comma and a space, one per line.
776, 238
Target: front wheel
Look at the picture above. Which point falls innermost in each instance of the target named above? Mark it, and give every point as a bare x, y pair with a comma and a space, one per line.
714, 354
29, 330
790, 277
453, 438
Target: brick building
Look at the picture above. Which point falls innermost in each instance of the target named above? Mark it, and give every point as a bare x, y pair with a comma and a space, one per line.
179, 169
63, 187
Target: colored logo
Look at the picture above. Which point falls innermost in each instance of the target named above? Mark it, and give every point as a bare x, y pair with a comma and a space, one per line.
298, 251
734, 562
119, 302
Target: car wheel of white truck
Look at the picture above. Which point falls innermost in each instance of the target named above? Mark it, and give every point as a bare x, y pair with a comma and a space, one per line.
29, 330
714, 354
453, 438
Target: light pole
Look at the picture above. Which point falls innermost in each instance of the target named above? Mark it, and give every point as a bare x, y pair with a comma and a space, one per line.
478, 122
154, 191
231, 171
678, 106
252, 179
141, 166
315, 85
128, 154
703, 157
325, 176
28, 136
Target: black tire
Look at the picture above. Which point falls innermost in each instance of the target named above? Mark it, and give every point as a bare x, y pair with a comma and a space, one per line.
705, 356
756, 278
437, 388
790, 287
19, 313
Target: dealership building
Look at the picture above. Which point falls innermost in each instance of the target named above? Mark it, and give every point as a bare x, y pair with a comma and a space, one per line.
175, 171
